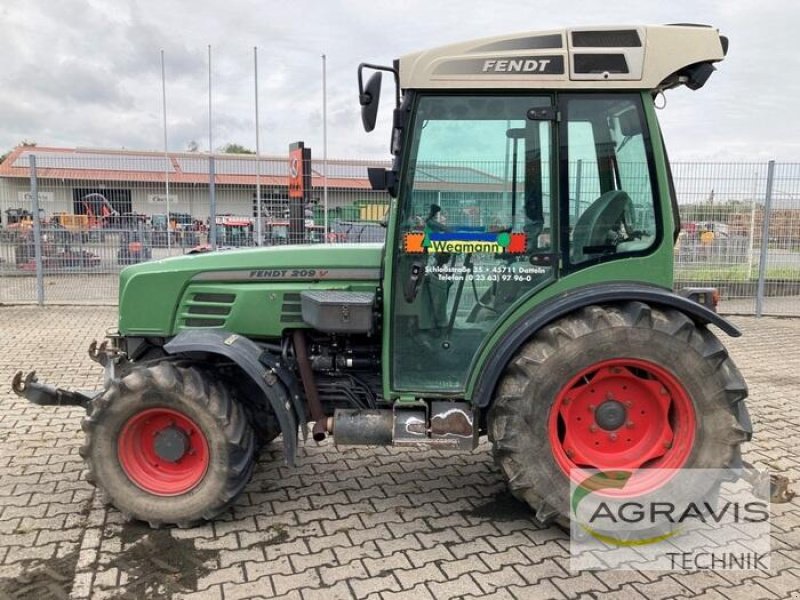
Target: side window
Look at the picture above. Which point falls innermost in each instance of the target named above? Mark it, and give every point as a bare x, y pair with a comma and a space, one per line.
611, 200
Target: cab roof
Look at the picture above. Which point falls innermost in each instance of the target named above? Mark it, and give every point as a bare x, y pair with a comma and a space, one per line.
650, 57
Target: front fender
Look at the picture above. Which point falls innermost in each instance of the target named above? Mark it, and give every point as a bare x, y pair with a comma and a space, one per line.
573, 300
246, 354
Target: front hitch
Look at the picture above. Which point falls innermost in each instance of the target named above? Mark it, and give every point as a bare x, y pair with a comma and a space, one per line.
769, 484
45, 395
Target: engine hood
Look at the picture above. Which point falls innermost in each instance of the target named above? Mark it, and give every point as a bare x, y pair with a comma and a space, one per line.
149, 293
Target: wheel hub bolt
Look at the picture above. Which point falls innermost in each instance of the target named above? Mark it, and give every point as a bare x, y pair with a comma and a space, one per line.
611, 415
171, 444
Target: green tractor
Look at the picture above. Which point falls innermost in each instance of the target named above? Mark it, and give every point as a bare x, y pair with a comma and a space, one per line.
524, 292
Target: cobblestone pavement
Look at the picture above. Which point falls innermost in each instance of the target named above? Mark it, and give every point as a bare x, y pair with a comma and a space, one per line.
357, 523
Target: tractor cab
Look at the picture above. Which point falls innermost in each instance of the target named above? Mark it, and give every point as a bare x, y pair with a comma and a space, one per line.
524, 166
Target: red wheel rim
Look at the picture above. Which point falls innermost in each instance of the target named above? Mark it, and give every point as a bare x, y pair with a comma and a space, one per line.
163, 452
623, 415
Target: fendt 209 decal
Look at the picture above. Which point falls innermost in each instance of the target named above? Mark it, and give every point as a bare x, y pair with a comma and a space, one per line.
294, 274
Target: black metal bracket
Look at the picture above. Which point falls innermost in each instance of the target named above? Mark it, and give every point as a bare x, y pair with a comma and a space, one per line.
28, 387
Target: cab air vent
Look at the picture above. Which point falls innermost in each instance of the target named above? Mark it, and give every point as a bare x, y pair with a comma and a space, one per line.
623, 38
601, 63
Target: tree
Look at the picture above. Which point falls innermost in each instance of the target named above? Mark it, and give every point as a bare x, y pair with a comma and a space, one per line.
235, 149
192, 146
23, 143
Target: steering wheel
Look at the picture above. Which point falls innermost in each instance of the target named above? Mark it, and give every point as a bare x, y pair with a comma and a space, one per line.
591, 235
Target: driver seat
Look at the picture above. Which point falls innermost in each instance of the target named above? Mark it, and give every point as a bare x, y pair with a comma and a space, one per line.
598, 223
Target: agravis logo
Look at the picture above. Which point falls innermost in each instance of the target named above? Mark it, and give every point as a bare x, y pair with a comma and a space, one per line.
693, 519
608, 481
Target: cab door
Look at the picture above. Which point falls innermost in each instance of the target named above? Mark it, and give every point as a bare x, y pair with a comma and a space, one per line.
473, 234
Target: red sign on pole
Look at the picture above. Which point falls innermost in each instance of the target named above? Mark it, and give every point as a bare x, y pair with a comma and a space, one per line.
296, 180
299, 190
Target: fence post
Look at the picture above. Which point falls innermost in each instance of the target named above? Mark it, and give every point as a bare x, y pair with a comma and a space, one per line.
37, 233
212, 209
762, 262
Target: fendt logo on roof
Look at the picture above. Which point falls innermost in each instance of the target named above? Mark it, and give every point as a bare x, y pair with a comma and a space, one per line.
516, 65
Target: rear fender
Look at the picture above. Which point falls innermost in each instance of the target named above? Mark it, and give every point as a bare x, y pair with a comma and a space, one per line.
568, 302
247, 355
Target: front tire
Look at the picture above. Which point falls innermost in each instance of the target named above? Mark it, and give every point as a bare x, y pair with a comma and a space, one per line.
615, 388
168, 445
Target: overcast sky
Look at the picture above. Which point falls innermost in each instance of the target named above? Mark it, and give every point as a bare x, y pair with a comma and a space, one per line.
87, 73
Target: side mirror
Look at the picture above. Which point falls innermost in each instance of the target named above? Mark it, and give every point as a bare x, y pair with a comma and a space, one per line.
369, 98
383, 179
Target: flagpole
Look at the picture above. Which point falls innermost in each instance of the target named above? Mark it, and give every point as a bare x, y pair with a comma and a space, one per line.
212, 190
259, 224
325, 147
210, 138
166, 154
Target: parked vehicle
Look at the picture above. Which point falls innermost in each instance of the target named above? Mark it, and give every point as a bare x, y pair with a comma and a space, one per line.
357, 231
135, 246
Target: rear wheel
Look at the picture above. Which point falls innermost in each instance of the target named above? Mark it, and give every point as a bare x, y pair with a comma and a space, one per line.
615, 388
168, 445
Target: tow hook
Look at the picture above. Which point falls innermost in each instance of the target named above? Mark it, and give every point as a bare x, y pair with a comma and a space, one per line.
779, 492
28, 387
102, 354
107, 357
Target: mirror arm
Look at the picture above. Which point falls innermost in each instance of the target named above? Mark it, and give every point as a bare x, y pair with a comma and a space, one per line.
362, 96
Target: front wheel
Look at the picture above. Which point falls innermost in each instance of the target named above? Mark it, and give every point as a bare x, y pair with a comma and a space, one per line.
623, 388
168, 445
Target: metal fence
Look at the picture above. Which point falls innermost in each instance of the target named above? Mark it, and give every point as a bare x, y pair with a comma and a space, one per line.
99, 212
741, 234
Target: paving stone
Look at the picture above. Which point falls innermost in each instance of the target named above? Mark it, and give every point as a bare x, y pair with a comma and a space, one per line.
286, 583
391, 563
338, 591
490, 582
453, 588
233, 574
346, 572
261, 588
470, 564
362, 588
418, 592
411, 578
302, 562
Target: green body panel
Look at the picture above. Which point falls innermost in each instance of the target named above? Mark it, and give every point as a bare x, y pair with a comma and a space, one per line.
154, 297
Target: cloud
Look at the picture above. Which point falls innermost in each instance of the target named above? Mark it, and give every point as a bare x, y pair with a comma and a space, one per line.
88, 72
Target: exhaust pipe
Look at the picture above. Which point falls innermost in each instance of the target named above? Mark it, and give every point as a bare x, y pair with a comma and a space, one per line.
309, 385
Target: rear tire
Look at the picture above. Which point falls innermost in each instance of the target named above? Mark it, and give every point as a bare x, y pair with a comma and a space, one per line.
543, 421
168, 445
